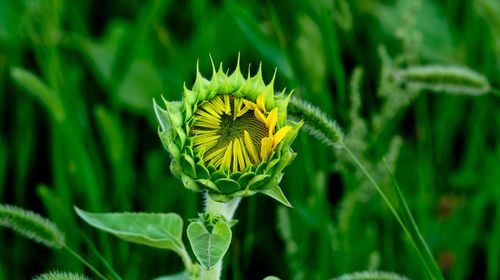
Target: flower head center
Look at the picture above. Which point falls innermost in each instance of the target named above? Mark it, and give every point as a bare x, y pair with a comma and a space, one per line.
232, 129
232, 133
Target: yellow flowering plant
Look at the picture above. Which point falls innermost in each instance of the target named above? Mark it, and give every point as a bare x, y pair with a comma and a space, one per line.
229, 136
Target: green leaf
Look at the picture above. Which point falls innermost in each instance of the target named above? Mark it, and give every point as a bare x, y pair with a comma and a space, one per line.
102, 53
222, 198
188, 165
31, 225
244, 180
271, 278
140, 85
190, 183
277, 194
111, 133
258, 181
371, 275
40, 90
227, 185
207, 183
162, 117
209, 248
201, 171
159, 230
177, 276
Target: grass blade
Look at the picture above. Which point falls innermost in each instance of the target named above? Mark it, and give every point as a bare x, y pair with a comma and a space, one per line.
250, 27
40, 90
415, 236
410, 228
106, 264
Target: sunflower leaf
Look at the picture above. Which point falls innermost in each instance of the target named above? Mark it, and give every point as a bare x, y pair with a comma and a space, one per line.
209, 248
157, 230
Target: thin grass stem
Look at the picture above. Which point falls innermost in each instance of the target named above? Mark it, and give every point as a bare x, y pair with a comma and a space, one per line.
101, 258
87, 264
415, 238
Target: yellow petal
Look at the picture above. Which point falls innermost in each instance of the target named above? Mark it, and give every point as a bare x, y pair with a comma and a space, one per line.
226, 160
219, 104
204, 132
242, 111
246, 159
250, 147
261, 102
238, 160
205, 147
227, 105
249, 104
280, 135
272, 119
207, 124
260, 116
208, 116
237, 107
212, 109
266, 147
215, 157
217, 163
203, 139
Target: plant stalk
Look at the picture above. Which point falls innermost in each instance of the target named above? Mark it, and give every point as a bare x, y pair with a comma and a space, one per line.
426, 257
227, 210
87, 264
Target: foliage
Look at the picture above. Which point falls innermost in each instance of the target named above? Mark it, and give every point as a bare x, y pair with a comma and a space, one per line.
77, 81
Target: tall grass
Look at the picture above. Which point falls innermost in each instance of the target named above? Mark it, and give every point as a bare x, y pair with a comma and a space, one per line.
77, 128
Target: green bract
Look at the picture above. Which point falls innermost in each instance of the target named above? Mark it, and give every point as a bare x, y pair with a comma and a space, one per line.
229, 136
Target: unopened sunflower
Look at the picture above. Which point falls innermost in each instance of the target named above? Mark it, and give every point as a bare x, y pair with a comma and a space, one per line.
229, 136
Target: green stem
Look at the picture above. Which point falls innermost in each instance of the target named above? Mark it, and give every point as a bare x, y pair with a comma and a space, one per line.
377, 187
186, 259
227, 210
101, 258
213, 273
87, 264
416, 238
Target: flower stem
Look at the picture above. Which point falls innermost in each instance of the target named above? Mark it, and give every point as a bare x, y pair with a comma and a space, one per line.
213, 273
410, 229
227, 210
186, 259
87, 264
377, 187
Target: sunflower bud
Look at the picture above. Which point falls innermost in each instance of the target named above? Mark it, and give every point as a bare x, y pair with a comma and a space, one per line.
229, 136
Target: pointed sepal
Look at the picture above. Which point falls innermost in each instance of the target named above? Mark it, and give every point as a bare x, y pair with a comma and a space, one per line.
277, 194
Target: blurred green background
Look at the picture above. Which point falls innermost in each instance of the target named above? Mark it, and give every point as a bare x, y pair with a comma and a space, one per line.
77, 79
